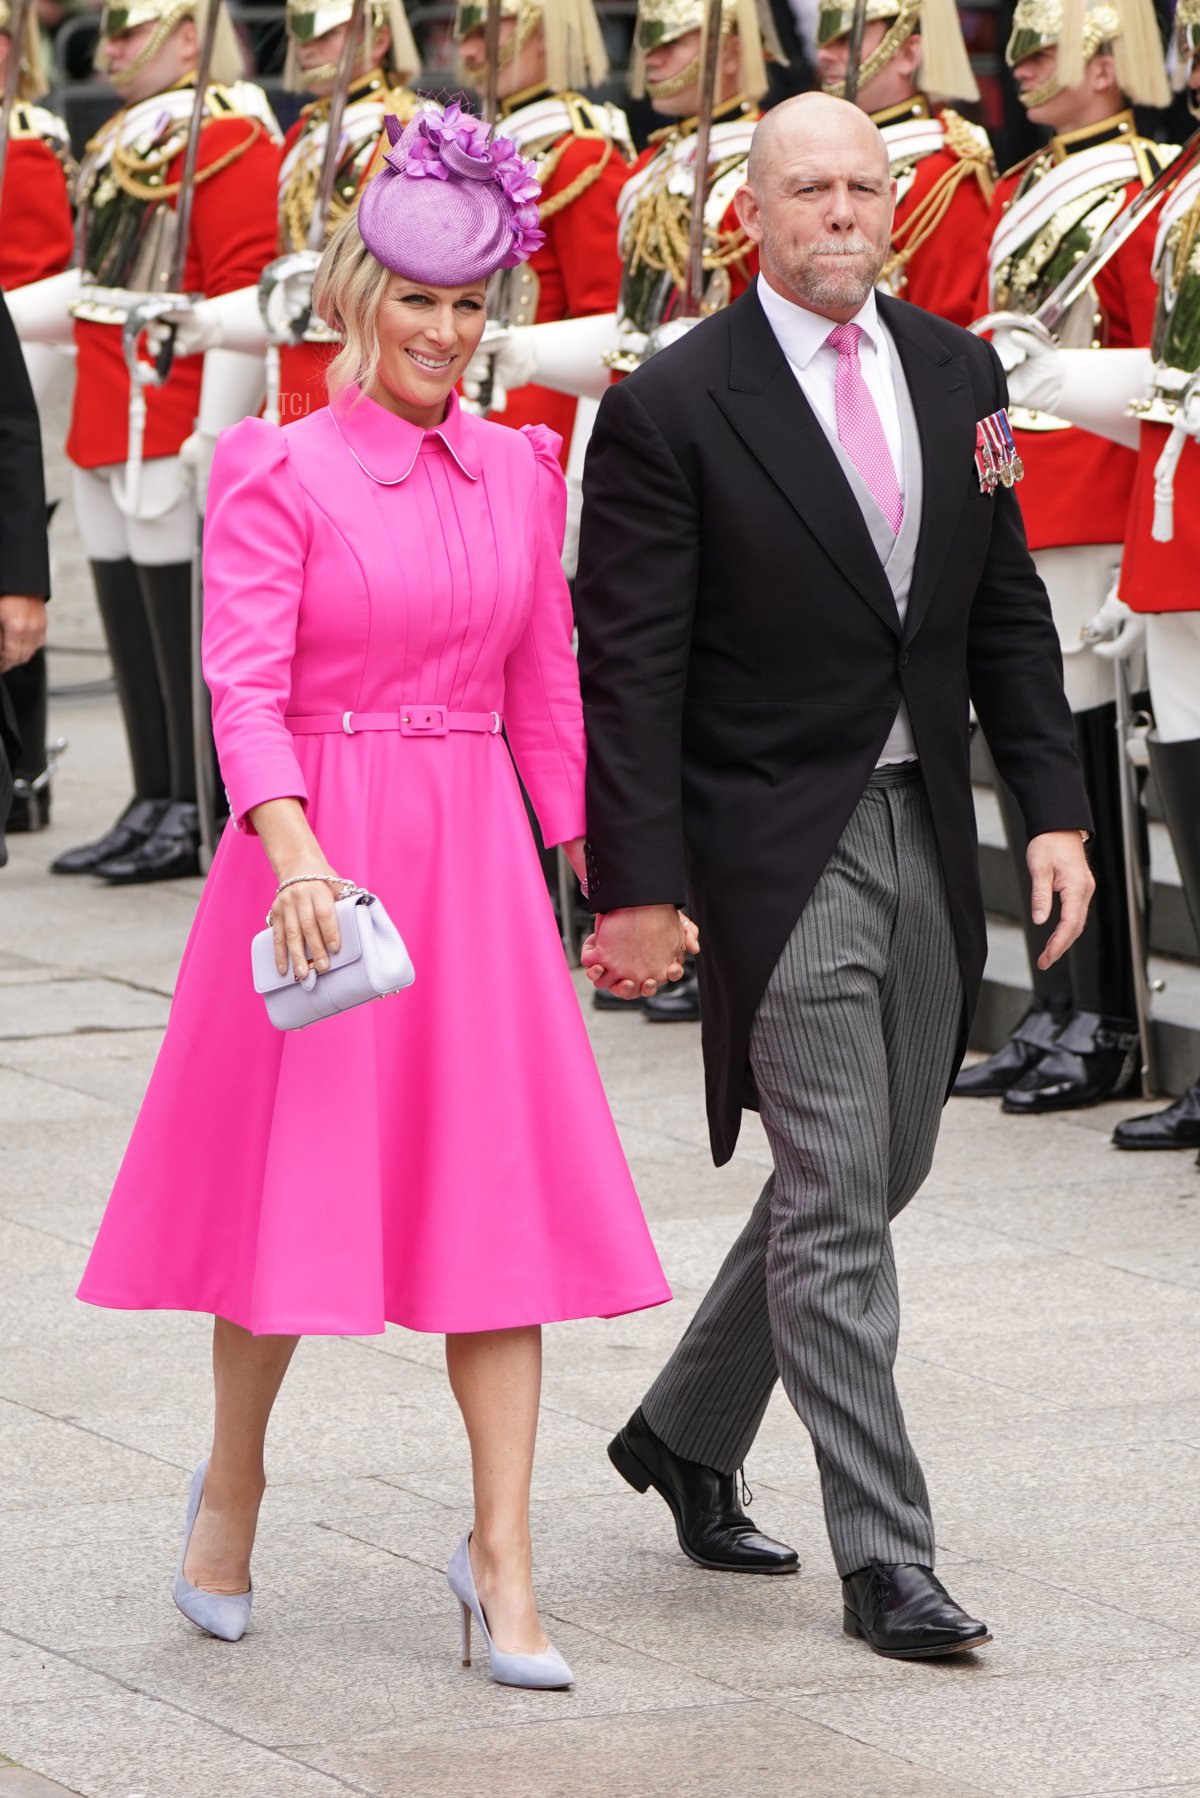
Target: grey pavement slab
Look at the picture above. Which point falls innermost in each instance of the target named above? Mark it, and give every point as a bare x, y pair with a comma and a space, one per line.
1049, 1370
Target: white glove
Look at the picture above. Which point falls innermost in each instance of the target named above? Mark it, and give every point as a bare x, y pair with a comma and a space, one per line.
1116, 631
1033, 365
196, 453
230, 321
512, 363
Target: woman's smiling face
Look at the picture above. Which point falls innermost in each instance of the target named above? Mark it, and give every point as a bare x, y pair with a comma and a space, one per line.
427, 335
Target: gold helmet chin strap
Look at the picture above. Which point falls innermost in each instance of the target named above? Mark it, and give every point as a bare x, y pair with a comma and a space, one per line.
169, 22
676, 84
893, 39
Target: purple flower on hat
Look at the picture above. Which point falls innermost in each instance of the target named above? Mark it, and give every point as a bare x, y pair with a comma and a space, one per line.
452, 146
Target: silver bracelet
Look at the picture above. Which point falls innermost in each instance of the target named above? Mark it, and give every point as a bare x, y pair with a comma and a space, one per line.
337, 880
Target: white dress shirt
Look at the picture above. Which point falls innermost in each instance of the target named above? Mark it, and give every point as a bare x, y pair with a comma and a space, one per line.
802, 337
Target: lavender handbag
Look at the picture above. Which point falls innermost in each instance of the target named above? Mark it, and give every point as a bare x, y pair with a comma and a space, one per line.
371, 963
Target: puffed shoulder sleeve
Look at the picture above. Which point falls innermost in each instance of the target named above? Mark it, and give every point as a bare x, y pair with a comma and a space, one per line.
542, 710
255, 543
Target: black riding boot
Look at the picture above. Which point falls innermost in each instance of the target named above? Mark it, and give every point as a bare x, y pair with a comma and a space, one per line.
1177, 776
1095, 1055
172, 850
1051, 1006
131, 650
27, 689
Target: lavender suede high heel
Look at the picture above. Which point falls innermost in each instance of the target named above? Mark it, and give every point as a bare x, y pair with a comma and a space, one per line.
545, 1672
221, 1614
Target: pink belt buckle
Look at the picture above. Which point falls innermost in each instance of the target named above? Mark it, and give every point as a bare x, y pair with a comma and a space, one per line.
424, 721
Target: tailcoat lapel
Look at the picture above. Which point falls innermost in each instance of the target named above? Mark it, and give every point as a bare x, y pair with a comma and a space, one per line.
764, 404
941, 395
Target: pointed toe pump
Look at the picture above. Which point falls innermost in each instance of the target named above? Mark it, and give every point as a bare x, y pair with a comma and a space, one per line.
546, 1672
219, 1613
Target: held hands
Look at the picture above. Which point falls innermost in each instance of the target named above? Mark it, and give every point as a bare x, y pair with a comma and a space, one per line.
22, 629
635, 951
1116, 631
1057, 864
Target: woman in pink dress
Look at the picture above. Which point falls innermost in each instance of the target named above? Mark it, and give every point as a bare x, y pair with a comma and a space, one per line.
382, 590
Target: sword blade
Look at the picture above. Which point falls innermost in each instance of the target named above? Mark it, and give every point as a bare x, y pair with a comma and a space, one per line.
18, 25
187, 178
858, 27
693, 299
317, 224
491, 51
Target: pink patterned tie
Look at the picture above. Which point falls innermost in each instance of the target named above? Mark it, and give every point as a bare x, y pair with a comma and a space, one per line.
860, 432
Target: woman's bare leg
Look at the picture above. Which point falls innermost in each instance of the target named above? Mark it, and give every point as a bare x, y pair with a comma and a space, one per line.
247, 1374
496, 1376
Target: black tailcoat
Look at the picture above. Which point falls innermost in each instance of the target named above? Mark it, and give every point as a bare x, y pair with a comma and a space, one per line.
743, 660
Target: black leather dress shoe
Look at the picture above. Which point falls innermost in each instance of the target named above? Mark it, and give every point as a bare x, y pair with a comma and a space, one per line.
170, 852
129, 832
906, 1613
713, 1529
676, 1004
1178, 1127
992, 1078
1092, 1059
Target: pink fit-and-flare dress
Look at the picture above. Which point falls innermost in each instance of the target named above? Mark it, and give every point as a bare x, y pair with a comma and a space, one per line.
443, 1159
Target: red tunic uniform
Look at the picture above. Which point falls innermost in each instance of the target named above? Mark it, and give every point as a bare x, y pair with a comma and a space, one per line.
578, 268
941, 231
232, 238
36, 231
1077, 486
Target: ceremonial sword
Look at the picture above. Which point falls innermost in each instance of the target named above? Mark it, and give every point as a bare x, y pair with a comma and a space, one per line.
858, 29
693, 298
18, 22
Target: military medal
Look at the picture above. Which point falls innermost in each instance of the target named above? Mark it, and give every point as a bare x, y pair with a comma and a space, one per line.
1000, 447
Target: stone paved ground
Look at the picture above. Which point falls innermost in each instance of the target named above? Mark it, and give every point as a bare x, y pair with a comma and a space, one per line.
1050, 1371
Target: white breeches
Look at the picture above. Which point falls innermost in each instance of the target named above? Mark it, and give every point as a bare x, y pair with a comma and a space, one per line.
164, 529
1077, 580
1173, 674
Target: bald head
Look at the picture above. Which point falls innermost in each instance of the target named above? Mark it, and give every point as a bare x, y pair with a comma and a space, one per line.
818, 200
804, 127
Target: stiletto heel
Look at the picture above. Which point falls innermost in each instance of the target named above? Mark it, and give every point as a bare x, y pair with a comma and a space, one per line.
219, 1613
536, 1672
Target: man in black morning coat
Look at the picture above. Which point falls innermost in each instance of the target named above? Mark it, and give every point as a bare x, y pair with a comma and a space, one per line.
24, 563
792, 584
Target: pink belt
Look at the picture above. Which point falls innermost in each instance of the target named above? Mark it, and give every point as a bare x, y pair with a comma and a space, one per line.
413, 721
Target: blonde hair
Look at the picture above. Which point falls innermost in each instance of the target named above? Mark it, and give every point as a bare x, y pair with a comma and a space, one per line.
348, 291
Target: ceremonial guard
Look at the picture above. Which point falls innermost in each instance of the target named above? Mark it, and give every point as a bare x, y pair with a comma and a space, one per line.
1078, 1044
1152, 399
941, 163
357, 83
581, 151
147, 230
655, 206
36, 240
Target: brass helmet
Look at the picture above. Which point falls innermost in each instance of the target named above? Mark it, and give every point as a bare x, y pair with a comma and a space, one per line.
33, 83
1079, 29
945, 66
663, 21
309, 19
167, 16
575, 53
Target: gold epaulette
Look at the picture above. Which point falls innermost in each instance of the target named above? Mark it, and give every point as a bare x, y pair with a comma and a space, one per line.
587, 119
969, 142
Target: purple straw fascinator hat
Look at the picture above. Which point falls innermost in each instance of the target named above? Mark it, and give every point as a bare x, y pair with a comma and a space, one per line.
451, 204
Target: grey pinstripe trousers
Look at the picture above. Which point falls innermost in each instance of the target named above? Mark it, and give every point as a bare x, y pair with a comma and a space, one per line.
851, 1050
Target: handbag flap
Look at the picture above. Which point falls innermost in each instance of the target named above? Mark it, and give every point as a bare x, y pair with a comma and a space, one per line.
268, 979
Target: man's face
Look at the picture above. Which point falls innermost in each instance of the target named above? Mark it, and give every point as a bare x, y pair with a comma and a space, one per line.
521, 66
665, 64
324, 53
170, 63
1062, 109
823, 218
